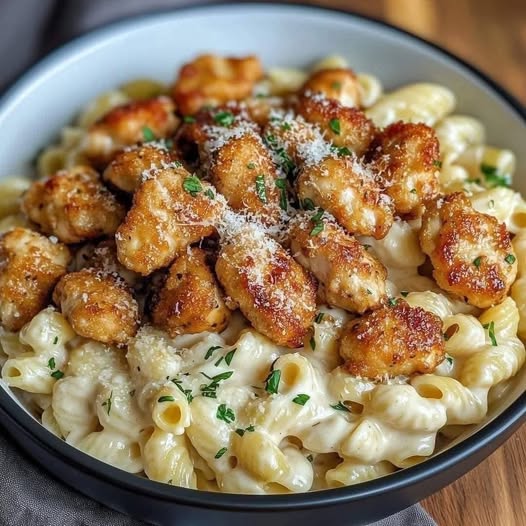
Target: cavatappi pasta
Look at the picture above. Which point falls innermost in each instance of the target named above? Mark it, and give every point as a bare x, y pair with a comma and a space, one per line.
258, 282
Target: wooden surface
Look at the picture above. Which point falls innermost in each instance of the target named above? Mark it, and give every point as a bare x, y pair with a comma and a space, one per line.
491, 34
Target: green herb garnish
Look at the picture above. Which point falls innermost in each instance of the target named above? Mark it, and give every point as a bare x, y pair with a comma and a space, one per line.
107, 403
260, 188
221, 452
437, 163
225, 413
192, 185
224, 118
57, 374
312, 343
55, 340
491, 332
166, 398
492, 176
308, 204
210, 194
251, 166
319, 317
186, 392
340, 407
318, 223
189, 119
51, 363
211, 351
477, 261
272, 382
283, 201
510, 259
147, 134
301, 399
404, 293
335, 126
229, 356
392, 302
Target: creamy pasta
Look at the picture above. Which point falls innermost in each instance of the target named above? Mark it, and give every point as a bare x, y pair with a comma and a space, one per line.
264, 283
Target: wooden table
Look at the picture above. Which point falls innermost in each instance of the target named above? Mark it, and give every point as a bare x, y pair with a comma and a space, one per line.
491, 34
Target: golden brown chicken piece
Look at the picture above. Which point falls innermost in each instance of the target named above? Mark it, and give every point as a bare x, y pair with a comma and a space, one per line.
260, 109
98, 305
171, 209
243, 172
190, 300
73, 205
30, 266
126, 170
471, 252
138, 121
406, 156
213, 80
345, 127
391, 341
350, 277
349, 191
338, 84
276, 294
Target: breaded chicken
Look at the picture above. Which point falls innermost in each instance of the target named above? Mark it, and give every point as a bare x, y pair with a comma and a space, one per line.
350, 277
125, 125
213, 80
126, 170
406, 155
471, 252
338, 84
345, 127
276, 294
98, 305
190, 300
260, 109
30, 266
242, 170
393, 340
73, 205
171, 209
349, 191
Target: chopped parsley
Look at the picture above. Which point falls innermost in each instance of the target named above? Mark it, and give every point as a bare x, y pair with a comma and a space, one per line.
249, 429
57, 374
308, 204
283, 201
166, 398
392, 302
192, 185
369, 291
221, 452
319, 317
449, 359
272, 382
229, 356
491, 332
437, 163
285, 126
477, 261
413, 190
147, 134
211, 351
189, 119
342, 151
186, 392
404, 293
336, 85
310, 458
492, 176
251, 166
224, 118
51, 363
55, 340
335, 126
318, 223
225, 414
210, 194
209, 390
510, 259
366, 246
260, 188
312, 343
285, 161
219, 361
107, 403
340, 407
301, 399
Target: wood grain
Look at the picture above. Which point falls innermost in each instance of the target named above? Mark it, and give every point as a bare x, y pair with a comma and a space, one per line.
491, 35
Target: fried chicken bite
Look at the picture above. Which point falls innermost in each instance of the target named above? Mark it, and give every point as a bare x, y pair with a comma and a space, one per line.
171, 209
190, 300
213, 80
128, 124
30, 266
98, 305
126, 170
471, 252
275, 293
73, 205
406, 156
338, 84
349, 191
349, 276
393, 340
345, 127
243, 172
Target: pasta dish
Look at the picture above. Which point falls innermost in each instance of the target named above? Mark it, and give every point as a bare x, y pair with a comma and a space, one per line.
263, 282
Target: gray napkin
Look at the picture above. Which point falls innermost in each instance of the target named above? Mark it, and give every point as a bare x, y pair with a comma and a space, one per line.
29, 496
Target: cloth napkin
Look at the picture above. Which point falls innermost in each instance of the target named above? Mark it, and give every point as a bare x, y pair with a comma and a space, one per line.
29, 496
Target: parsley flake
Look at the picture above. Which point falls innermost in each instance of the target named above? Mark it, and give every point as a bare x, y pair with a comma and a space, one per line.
340, 407
491, 332
312, 343
221, 452
336, 85
510, 259
449, 359
51, 363
225, 414
318, 222
211, 351
319, 317
369, 291
437, 163
189, 119
392, 302
404, 293
335, 126
192, 185
249, 429
57, 374
186, 392
107, 403
310, 458
251, 166
413, 190
210, 194
272, 382
224, 118
308, 204
492, 176
147, 134
477, 261
260, 188
301, 399
166, 398
283, 201
229, 356
285, 126
55, 340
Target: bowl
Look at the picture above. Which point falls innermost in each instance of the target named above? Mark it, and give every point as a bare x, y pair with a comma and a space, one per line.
50, 94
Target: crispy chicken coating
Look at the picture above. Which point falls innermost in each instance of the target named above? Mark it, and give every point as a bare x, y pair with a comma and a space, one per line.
126, 170
213, 80
73, 205
129, 124
339, 84
98, 305
391, 341
276, 294
349, 191
190, 300
350, 277
471, 252
406, 156
345, 127
242, 170
171, 209
30, 266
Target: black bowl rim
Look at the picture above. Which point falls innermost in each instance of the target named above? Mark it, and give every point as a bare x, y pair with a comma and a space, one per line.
509, 418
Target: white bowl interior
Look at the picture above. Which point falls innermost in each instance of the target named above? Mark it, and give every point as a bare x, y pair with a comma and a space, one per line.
32, 114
